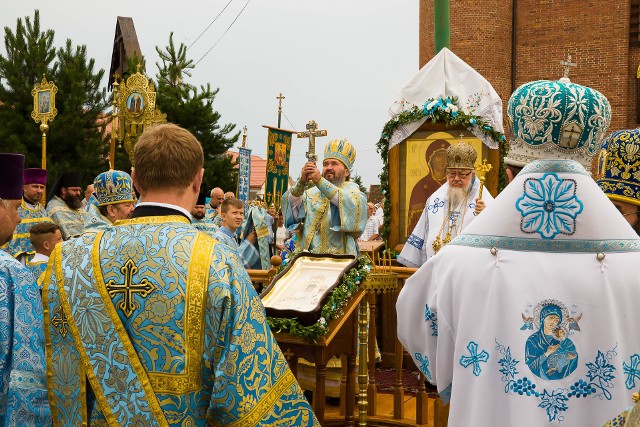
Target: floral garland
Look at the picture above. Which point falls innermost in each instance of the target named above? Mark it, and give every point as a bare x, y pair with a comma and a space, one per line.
332, 307
438, 110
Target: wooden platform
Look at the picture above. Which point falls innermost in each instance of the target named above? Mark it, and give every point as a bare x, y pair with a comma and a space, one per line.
385, 413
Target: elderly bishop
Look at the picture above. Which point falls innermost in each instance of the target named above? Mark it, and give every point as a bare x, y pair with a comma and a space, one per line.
449, 210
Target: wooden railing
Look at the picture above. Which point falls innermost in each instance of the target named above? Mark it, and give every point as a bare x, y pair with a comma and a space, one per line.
428, 411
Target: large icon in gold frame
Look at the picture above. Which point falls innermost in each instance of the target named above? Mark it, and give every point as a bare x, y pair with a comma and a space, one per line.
136, 106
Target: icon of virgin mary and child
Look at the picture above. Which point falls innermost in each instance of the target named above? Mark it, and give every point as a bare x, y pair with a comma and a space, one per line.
549, 352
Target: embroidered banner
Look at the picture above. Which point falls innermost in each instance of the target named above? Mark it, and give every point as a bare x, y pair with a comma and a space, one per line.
244, 173
278, 151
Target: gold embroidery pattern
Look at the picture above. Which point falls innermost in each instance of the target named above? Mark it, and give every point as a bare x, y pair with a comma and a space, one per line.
59, 320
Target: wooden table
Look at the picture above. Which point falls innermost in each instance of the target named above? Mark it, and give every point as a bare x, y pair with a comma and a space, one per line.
371, 247
342, 339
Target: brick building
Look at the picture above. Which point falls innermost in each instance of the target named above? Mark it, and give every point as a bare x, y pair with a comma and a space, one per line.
511, 42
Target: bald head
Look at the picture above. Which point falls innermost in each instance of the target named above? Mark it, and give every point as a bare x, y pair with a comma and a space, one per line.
217, 197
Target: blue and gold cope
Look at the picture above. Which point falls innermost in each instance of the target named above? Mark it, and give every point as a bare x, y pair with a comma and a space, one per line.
325, 226
70, 221
21, 243
618, 166
23, 389
164, 323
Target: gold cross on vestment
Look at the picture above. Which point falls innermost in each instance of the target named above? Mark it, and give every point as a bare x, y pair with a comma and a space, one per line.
567, 66
311, 133
128, 288
60, 320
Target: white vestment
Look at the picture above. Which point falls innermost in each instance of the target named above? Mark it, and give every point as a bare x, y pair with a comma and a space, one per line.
418, 248
528, 317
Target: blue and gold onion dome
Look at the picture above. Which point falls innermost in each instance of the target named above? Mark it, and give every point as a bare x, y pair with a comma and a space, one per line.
113, 187
617, 166
556, 120
341, 149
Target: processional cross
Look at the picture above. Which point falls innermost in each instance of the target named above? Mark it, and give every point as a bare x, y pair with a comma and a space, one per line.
60, 320
128, 288
567, 66
311, 133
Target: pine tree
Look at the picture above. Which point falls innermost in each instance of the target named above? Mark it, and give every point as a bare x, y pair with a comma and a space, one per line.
357, 179
192, 108
76, 139
29, 55
77, 135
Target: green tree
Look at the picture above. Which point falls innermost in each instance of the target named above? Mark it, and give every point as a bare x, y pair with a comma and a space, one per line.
75, 140
192, 108
78, 138
29, 55
357, 179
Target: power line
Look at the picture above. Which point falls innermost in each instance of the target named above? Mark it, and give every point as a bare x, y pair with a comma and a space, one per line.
215, 44
209, 26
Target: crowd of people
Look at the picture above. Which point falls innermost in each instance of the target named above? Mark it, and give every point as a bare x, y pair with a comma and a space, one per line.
129, 303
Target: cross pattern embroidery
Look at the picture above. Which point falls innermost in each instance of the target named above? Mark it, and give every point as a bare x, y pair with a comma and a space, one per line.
128, 288
60, 320
474, 358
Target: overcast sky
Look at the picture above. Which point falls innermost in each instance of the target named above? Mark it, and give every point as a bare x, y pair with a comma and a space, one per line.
339, 62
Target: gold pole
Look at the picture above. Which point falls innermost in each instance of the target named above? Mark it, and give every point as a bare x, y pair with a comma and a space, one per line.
44, 128
114, 115
482, 170
363, 350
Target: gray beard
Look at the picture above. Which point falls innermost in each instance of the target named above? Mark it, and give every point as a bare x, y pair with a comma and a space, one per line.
336, 181
457, 195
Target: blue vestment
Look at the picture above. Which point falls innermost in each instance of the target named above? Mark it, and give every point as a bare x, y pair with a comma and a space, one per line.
328, 226
23, 392
21, 242
70, 221
164, 323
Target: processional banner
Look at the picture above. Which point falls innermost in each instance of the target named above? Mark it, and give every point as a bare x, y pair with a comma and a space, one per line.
278, 152
244, 173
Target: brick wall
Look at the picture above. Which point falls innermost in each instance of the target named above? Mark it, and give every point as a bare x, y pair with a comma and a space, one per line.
594, 32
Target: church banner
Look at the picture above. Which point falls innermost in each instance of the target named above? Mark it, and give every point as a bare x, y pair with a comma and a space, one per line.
278, 152
244, 173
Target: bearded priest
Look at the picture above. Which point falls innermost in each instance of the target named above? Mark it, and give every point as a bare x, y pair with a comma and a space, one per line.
449, 210
65, 205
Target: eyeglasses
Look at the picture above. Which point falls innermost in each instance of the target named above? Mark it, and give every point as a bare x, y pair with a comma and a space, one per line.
452, 174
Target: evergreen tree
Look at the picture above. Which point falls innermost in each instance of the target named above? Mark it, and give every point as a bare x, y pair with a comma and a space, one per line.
29, 55
192, 108
75, 140
78, 138
357, 179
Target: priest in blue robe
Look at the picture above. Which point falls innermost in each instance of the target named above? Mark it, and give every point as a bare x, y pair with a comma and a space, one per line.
199, 217
65, 204
23, 392
154, 323
333, 212
31, 212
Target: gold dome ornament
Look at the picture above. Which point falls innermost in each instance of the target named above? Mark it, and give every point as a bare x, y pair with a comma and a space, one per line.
461, 156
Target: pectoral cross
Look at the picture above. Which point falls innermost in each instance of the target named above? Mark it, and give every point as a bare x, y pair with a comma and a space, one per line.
567, 66
482, 171
311, 133
60, 320
128, 288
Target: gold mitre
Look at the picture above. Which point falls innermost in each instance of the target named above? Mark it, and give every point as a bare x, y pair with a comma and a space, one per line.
461, 156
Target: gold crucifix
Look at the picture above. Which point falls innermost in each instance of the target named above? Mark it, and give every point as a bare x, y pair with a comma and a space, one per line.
60, 320
128, 288
482, 170
244, 137
280, 98
567, 66
311, 133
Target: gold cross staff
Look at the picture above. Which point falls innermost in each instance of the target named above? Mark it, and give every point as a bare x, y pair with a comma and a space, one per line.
482, 171
311, 133
128, 288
